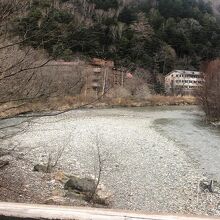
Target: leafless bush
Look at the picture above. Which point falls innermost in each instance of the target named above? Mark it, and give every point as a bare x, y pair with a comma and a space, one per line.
53, 159
209, 94
92, 196
18, 71
21, 75
18, 64
160, 100
119, 92
51, 162
142, 92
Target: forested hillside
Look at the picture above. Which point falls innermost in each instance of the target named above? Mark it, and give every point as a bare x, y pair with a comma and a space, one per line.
158, 35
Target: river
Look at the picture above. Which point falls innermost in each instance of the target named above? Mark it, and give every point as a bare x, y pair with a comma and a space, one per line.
199, 139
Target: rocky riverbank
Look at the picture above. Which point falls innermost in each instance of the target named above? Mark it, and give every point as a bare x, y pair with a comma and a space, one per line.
142, 169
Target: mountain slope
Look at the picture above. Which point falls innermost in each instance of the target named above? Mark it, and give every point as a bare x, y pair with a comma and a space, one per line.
157, 35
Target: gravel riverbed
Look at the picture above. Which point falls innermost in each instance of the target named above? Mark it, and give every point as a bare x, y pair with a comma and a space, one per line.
143, 168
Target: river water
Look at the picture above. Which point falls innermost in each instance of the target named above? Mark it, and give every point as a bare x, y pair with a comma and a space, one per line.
199, 139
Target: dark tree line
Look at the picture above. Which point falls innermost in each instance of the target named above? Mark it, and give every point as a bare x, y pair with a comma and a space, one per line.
155, 34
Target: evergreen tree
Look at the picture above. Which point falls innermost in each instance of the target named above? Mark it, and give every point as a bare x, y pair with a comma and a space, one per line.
181, 32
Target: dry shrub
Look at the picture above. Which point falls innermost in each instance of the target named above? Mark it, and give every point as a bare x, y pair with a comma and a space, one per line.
142, 92
172, 100
39, 105
134, 88
125, 102
119, 92
209, 95
18, 78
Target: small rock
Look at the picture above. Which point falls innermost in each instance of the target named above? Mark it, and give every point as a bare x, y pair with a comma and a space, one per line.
58, 193
206, 185
130, 194
55, 200
52, 182
40, 168
102, 196
76, 195
3, 163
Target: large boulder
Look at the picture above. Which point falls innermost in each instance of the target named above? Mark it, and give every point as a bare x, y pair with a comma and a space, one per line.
85, 185
86, 189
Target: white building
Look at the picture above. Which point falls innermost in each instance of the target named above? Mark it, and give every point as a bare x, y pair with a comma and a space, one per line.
183, 82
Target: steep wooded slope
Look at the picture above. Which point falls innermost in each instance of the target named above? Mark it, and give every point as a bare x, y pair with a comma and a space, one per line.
155, 34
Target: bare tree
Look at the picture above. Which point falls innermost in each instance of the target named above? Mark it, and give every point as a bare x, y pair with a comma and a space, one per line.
92, 196
209, 94
22, 73
17, 65
53, 159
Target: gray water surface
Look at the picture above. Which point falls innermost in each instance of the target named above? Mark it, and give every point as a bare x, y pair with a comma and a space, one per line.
200, 140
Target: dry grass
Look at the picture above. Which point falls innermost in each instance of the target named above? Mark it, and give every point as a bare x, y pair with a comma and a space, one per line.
125, 102
39, 105
159, 100
71, 102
